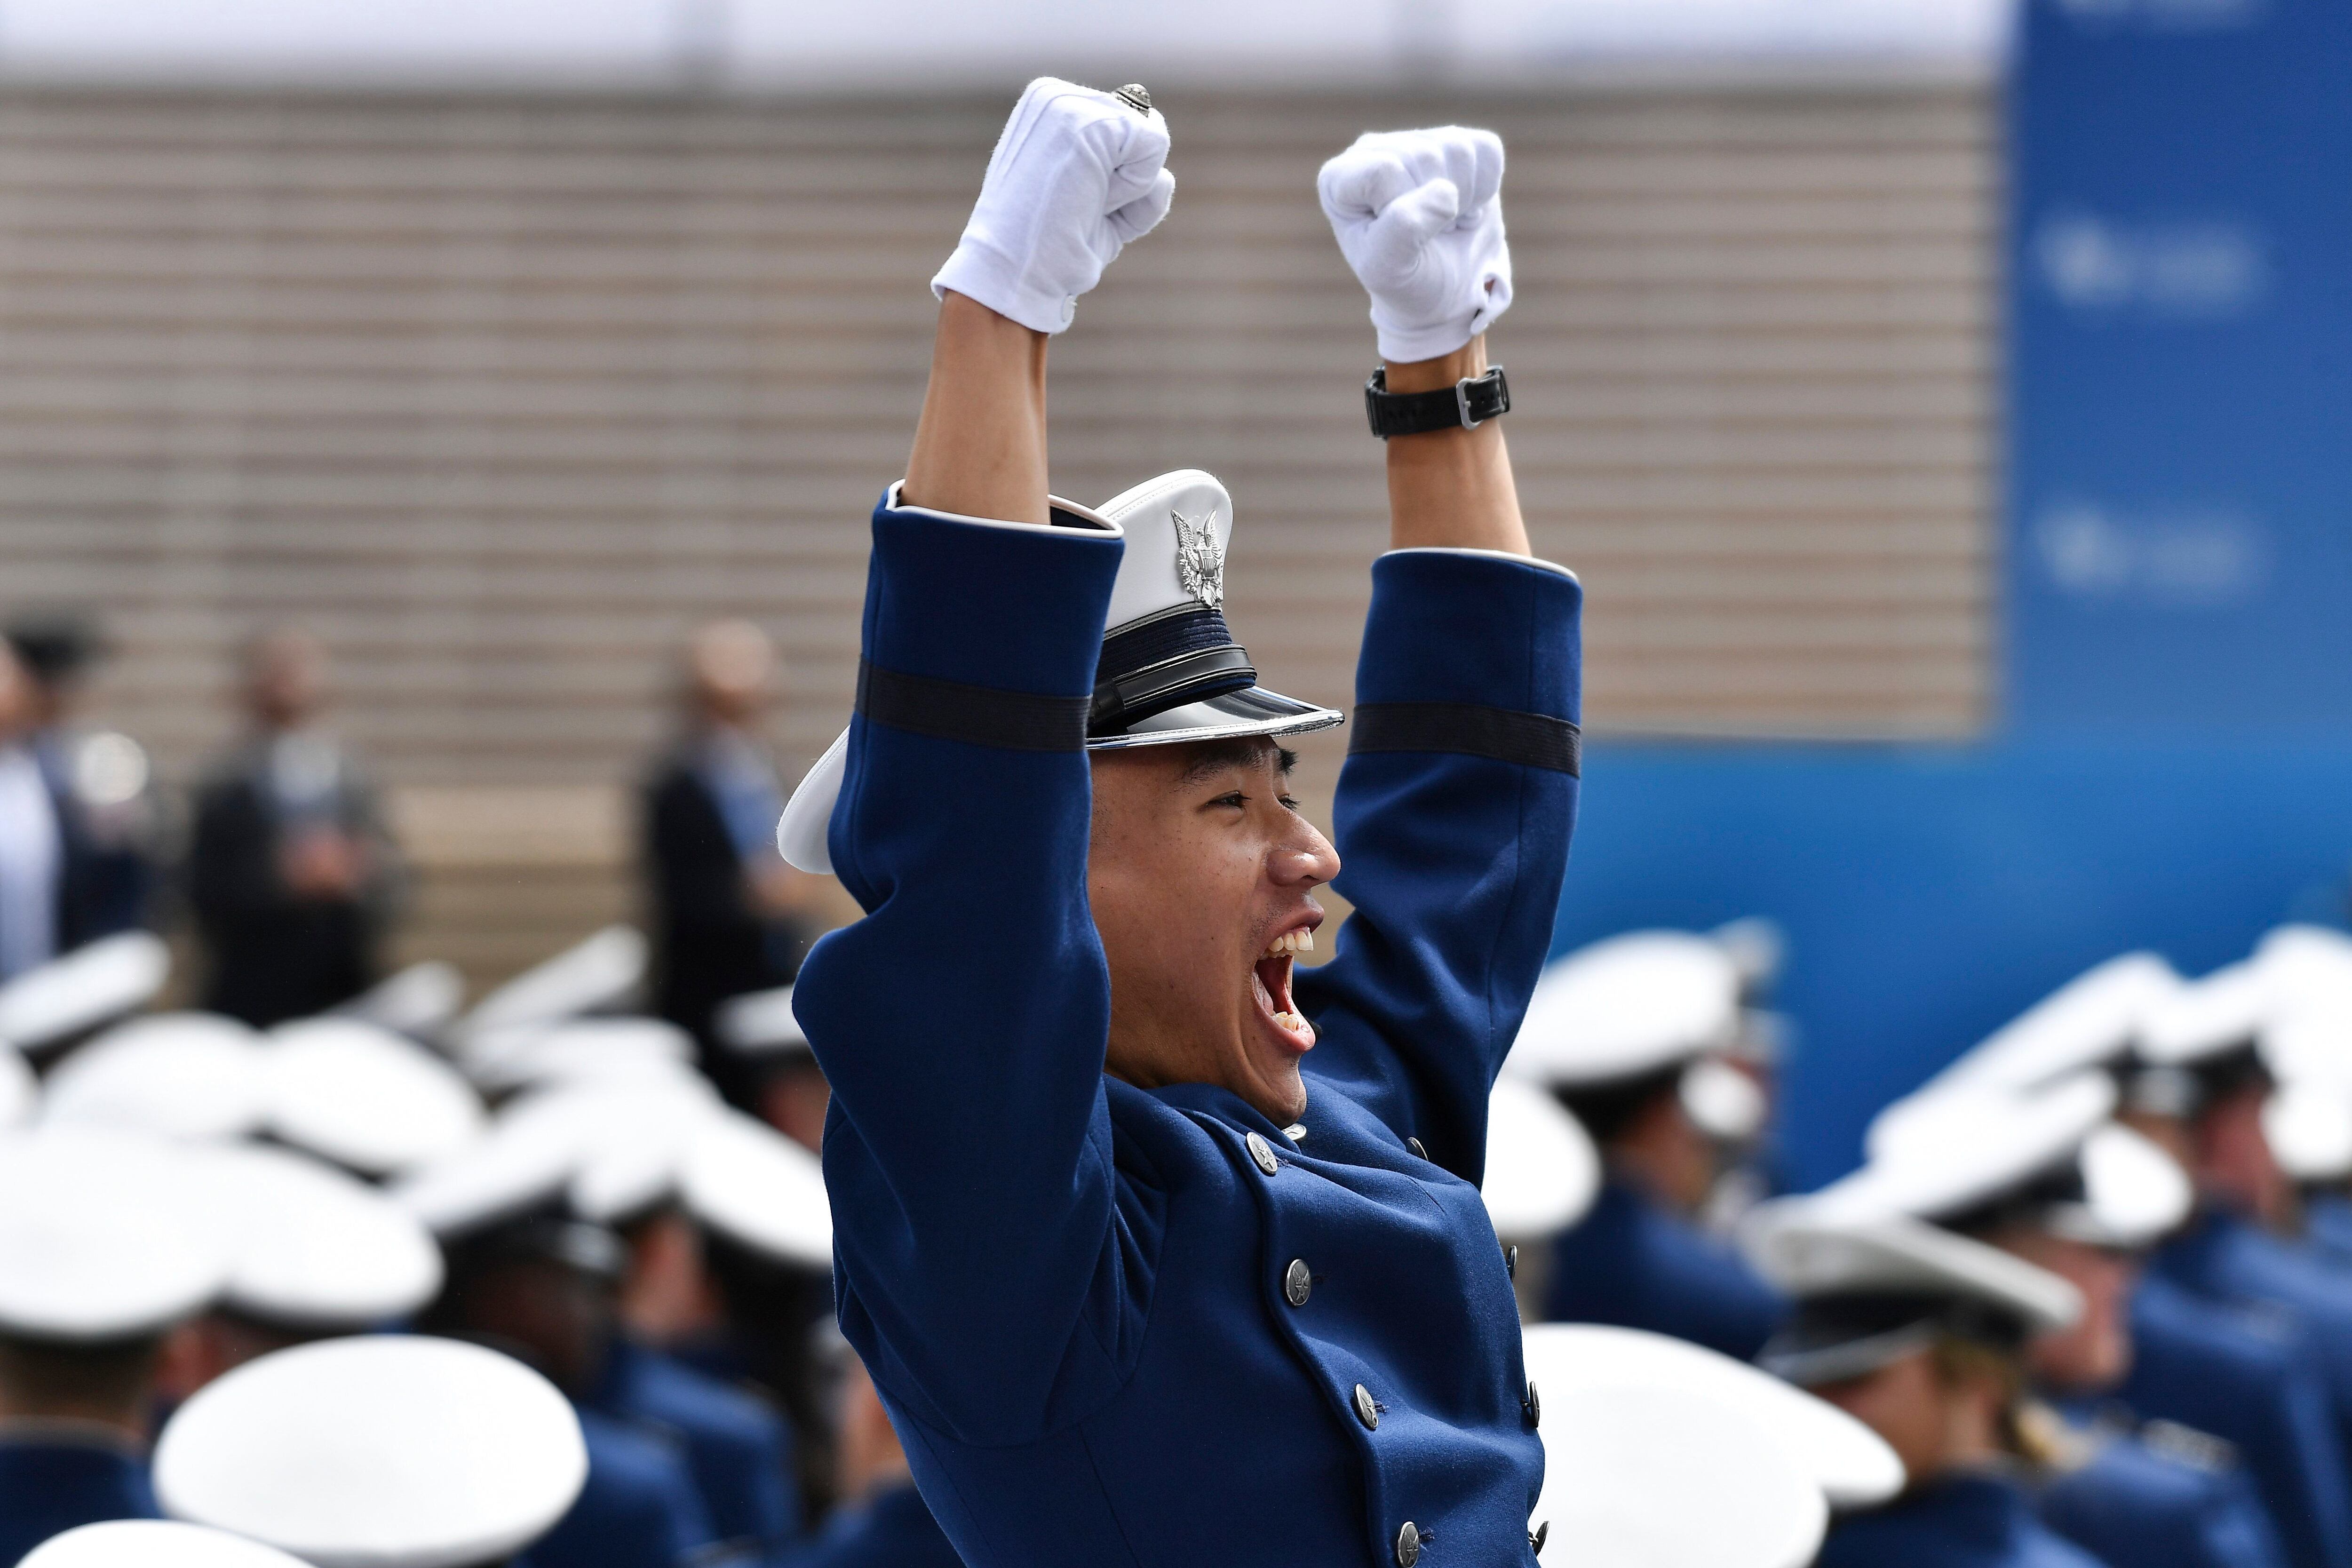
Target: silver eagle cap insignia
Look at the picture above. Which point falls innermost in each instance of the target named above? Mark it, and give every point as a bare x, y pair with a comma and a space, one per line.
1199, 563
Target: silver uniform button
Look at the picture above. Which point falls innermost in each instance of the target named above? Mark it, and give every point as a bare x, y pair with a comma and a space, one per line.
1297, 1284
1538, 1536
1534, 1405
1262, 1153
1407, 1551
1366, 1411
1418, 1151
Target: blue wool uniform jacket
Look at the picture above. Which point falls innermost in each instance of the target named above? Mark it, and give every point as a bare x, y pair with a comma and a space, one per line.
893, 1529
2247, 1377
50, 1484
1107, 1330
1958, 1522
1631, 1263
738, 1451
637, 1510
2129, 1504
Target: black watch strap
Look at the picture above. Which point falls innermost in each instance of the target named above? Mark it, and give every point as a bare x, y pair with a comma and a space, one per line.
1468, 403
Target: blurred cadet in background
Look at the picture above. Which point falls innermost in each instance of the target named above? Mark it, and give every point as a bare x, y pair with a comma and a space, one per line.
104, 1247
771, 1052
883, 1522
98, 786
292, 872
1629, 1034
729, 915
1921, 1335
2048, 1178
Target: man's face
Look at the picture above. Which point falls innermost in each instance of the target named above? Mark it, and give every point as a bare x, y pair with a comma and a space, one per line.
2094, 1352
1199, 872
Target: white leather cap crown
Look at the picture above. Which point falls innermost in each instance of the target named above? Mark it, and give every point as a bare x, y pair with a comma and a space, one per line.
1170, 671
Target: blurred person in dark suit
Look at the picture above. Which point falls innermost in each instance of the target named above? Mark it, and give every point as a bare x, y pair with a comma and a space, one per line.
292, 872
97, 781
729, 915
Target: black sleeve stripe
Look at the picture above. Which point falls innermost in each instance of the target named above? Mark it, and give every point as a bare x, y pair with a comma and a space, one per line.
976, 715
1503, 734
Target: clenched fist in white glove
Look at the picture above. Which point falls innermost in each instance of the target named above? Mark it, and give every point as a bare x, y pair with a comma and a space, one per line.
1076, 174
1419, 215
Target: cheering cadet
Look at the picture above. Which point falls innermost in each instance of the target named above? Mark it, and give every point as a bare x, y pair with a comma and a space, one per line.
1921, 1334
104, 1247
1152, 1246
2049, 1179
1619, 1030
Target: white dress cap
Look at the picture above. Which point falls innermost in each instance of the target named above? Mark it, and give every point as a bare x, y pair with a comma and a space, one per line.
93, 984
419, 1001
20, 1092
1644, 1477
2308, 967
1809, 1249
762, 1023
1850, 1463
182, 1075
315, 1249
102, 1235
1627, 1005
1542, 1170
577, 1050
2308, 1126
1947, 1151
384, 1451
365, 1098
600, 972
2310, 1044
153, 1544
2205, 1019
2088, 1022
639, 1162
758, 1188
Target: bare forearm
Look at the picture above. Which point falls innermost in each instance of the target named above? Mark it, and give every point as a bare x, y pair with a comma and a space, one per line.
980, 449
1451, 488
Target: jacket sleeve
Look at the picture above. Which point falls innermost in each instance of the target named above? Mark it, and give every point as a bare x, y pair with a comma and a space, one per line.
1453, 820
963, 1021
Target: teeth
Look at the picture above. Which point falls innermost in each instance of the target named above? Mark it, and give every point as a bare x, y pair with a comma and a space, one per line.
1290, 942
1295, 1021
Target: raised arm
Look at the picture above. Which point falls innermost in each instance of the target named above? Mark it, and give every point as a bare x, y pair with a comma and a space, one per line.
963, 1021
1456, 804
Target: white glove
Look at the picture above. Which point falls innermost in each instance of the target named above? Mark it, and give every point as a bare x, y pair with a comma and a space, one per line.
1076, 174
1419, 215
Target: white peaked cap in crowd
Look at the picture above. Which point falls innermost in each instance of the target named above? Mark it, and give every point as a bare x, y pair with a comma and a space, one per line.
1177, 528
103, 1236
1542, 1170
2308, 967
762, 1023
1641, 1475
92, 985
382, 1451
1851, 1464
153, 1544
578, 1051
2205, 1019
2308, 1126
2090, 1021
419, 1001
365, 1098
1812, 1252
312, 1247
1946, 1151
2311, 1045
639, 1162
183, 1075
600, 972
20, 1091
534, 1149
758, 1188
1627, 1005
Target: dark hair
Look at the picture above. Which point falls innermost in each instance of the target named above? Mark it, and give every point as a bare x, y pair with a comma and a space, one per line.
1607, 1109
39, 1375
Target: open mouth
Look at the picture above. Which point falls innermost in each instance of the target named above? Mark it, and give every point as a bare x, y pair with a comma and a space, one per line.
1270, 982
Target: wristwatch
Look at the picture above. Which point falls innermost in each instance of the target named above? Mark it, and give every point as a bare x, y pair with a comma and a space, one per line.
1466, 405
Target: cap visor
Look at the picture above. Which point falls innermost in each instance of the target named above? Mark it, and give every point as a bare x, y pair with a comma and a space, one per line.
1255, 712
